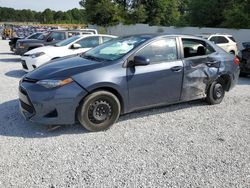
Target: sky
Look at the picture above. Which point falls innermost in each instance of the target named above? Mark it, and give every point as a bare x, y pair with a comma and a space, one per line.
40, 5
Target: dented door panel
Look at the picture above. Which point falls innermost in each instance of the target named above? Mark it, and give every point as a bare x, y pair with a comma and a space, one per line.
199, 72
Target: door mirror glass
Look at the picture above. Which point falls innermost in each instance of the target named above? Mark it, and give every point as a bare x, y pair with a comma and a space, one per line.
76, 46
139, 61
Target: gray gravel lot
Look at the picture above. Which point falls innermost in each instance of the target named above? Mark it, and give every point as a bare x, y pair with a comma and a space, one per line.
185, 145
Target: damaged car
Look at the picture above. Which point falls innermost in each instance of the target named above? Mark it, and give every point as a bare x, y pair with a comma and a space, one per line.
125, 75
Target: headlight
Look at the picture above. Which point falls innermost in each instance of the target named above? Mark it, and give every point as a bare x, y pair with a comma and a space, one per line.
54, 83
38, 54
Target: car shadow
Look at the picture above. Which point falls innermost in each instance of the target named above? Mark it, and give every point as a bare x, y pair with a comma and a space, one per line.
10, 60
244, 80
15, 73
12, 124
162, 110
7, 53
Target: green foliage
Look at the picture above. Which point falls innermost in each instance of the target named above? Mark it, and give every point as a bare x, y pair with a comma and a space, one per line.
179, 13
236, 17
217, 13
75, 16
101, 12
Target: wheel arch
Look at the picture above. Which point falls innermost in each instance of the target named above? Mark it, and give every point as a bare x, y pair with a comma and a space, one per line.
114, 92
108, 89
226, 81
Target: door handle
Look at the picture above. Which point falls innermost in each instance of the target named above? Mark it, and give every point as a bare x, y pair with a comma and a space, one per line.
215, 64
176, 68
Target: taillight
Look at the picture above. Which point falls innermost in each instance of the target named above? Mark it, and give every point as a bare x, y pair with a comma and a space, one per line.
236, 61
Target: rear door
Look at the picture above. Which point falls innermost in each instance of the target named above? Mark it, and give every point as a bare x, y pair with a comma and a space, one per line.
159, 82
200, 67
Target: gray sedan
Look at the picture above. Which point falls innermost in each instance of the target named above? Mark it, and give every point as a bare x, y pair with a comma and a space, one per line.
125, 75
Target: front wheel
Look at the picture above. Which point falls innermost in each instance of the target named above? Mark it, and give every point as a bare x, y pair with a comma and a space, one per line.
215, 93
99, 111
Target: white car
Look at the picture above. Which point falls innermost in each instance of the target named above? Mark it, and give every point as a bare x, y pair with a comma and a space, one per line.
225, 41
71, 46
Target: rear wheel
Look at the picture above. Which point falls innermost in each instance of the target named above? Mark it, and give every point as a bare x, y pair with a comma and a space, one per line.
216, 92
99, 111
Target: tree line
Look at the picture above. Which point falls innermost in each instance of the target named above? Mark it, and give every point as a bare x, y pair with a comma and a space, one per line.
197, 13
48, 16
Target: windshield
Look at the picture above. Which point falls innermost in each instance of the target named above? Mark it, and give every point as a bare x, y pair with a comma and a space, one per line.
43, 36
67, 41
114, 49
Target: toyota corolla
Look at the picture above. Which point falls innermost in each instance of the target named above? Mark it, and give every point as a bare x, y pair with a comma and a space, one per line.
125, 75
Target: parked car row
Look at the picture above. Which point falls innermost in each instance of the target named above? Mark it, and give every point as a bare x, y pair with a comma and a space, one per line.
118, 76
48, 38
71, 46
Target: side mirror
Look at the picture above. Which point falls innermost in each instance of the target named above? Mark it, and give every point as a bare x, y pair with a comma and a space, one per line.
139, 61
49, 39
76, 46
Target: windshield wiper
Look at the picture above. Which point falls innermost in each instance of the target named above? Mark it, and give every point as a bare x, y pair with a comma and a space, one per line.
92, 58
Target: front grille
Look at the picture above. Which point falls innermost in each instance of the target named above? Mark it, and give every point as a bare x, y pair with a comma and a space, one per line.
24, 65
22, 91
25, 101
27, 107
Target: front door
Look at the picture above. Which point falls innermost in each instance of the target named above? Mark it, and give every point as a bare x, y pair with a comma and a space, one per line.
159, 82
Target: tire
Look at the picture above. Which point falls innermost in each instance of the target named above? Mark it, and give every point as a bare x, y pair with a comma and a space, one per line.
215, 92
90, 115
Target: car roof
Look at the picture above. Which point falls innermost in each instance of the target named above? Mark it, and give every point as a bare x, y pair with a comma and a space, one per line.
151, 36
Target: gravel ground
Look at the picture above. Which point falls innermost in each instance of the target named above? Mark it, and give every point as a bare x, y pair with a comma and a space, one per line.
185, 145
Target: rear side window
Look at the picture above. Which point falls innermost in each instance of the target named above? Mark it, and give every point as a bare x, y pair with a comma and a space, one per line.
160, 50
219, 40
58, 36
89, 42
193, 47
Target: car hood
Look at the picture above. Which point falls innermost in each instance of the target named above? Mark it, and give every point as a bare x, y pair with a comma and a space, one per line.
45, 49
63, 68
30, 41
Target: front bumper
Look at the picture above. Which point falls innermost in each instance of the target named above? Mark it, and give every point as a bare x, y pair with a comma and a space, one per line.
50, 106
29, 63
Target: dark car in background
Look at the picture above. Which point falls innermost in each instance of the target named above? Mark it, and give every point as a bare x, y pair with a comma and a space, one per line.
14, 40
48, 38
245, 59
125, 75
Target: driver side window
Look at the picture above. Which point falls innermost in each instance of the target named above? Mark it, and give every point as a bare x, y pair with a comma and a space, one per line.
162, 50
